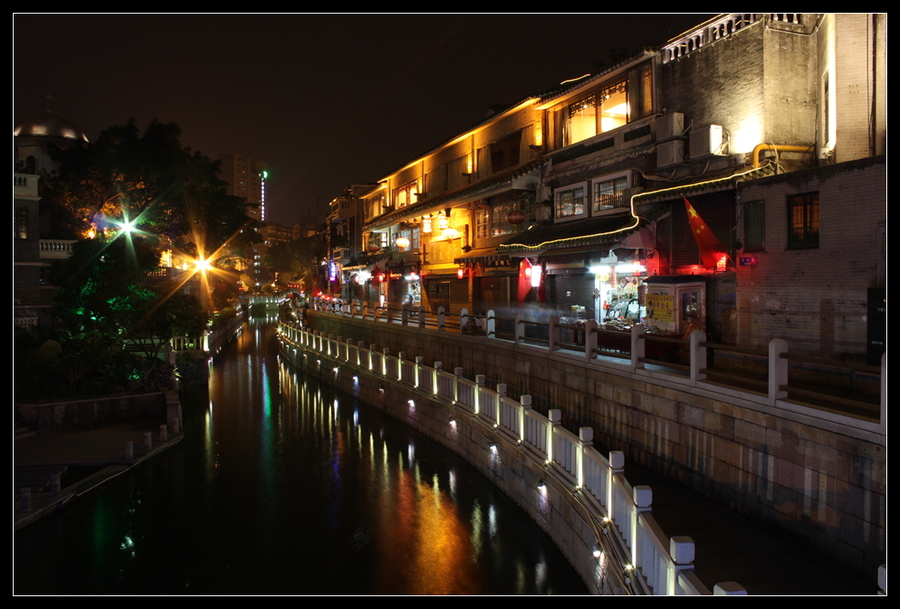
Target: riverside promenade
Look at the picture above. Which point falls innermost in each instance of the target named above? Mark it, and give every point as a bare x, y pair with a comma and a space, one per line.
101, 451
729, 547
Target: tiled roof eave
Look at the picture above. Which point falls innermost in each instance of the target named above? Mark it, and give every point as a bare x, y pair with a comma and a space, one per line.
465, 192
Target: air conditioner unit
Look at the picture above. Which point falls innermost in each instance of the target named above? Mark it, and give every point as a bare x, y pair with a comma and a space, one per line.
670, 153
669, 126
709, 141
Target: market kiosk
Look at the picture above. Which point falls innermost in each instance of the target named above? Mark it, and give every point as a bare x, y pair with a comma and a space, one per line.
676, 304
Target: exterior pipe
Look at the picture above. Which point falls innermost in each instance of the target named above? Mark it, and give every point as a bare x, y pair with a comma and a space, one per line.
759, 148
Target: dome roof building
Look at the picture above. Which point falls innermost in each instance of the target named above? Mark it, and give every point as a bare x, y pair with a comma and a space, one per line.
35, 135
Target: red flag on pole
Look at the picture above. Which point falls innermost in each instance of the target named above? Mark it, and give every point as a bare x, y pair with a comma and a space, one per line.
711, 251
525, 271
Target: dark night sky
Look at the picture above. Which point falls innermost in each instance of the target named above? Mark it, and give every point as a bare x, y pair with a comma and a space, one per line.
327, 100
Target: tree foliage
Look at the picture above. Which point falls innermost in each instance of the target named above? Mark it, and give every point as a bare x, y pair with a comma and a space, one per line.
102, 285
297, 260
152, 180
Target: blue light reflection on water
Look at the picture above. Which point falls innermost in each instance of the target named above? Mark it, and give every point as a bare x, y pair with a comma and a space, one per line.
285, 487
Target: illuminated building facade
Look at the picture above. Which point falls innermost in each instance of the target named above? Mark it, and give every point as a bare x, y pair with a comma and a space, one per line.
701, 163
247, 179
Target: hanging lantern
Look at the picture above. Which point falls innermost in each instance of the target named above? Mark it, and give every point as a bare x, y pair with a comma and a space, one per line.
402, 242
460, 272
516, 217
426, 224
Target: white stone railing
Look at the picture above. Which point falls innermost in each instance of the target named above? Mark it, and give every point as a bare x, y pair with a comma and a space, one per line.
644, 354
650, 561
707, 33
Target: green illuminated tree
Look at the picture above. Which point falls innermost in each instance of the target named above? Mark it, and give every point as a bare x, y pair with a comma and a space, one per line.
102, 285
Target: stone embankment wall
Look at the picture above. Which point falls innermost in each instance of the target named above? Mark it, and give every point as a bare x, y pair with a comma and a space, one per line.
804, 472
554, 509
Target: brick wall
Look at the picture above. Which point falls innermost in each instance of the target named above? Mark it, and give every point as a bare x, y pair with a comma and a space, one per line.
816, 298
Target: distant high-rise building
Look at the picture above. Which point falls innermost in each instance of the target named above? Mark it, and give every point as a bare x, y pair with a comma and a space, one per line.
247, 179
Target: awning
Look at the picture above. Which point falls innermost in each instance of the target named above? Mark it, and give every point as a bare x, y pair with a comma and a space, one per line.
484, 254
593, 232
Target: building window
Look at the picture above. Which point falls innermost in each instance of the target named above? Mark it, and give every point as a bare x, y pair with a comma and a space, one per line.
609, 193
615, 103
482, 223
20, 230
499, 215
374, 206
603, 111
570, 202
755, 226
406, 194
803, 221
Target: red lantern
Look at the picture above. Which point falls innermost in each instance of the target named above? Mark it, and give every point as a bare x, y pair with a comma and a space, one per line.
515, 217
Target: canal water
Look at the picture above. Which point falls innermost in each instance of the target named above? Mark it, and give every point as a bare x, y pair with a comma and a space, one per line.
283, 486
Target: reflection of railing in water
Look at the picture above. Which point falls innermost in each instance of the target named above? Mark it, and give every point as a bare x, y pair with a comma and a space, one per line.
778, 379
619, 513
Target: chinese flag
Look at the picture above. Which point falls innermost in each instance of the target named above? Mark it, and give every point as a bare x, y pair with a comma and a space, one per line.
711, 251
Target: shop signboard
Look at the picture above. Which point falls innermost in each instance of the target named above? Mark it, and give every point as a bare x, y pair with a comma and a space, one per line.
660, 307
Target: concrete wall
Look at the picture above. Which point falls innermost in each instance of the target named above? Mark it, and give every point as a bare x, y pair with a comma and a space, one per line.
804, 473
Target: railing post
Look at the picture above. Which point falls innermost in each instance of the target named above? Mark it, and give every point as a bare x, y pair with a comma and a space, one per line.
778, 369
525, 401
463, 320
554, 415
586, 435
441, 319
489, 330
642, 497
435, 384
479, 382
697, 355
554, 333
729, 589
365, 311
389, 313
638, 346
419, 360
681, 549
590, 339
373, 348
421, 316
457, 374
616, 466
519, 329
